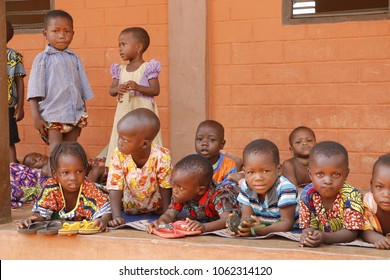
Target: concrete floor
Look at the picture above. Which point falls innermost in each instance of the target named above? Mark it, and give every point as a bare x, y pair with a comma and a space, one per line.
131, 244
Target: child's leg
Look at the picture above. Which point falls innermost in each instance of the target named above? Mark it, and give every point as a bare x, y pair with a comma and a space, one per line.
12, 153
55, 138
72, 135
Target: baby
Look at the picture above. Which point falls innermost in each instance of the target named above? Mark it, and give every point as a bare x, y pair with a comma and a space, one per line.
376, 229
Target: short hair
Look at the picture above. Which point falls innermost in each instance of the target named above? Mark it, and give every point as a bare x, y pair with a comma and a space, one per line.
10, 31
214, 124
141, 35
262, 146
302, 127
329, 149
68, 148
55, 14
197, 166
144, 118
382, 160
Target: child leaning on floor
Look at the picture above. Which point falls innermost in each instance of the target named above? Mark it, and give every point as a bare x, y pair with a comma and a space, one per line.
204, 202
16, 73
58, 86
135, 84
301, 139
331, 210
139, 171
376, 228
267, 197
209, 141
69, 195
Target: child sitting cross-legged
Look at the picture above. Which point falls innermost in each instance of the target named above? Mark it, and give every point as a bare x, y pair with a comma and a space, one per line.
331, 211
204, 203
70, 195
269, 200
376, 228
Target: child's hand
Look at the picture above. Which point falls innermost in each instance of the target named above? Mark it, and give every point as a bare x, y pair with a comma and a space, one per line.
383, 243
311, 238
116, 222
24, 223
19, 113
193, 225
131, 85
244, 229
40, 125
150, 226
102, 225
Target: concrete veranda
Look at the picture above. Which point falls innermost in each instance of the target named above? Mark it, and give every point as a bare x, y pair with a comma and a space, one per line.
130, 244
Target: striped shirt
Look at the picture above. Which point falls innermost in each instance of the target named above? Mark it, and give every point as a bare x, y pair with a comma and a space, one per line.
58, 78
282, 194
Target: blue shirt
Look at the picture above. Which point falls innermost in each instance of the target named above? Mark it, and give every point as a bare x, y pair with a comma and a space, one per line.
282, 194
58, 78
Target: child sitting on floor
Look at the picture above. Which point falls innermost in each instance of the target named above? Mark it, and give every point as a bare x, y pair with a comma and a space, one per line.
206, 203
209, 141
331, 210
69, 195
269, 200
301, 140
376, 228
139, 171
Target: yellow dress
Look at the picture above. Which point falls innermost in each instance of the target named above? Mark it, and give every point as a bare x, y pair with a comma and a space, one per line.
133, 100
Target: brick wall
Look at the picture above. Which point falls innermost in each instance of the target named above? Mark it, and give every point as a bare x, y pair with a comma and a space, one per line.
268, 78
97, 25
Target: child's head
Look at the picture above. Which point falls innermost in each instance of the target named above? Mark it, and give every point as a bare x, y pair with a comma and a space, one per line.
191, 177
58, 29
380, 182
209, 140
328, 168
261, 165
10, 31
69, 164
301, 140
35, 160
136, 130
133, 41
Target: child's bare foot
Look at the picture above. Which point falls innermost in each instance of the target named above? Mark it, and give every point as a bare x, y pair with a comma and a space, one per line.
97, 171
236, 177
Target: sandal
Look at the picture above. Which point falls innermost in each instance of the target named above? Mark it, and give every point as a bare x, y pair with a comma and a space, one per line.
69, 228
167, 231
52, 227
33, 227
182, 227
234, 221
88, 228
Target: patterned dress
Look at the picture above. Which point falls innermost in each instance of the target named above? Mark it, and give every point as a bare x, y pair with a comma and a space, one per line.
217, 199
140, 186
92, 202
346, 213
26, 184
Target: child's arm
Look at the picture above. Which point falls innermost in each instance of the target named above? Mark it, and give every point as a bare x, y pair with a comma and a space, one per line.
168, 217
373, 237
24, 223
117, 88
288, 171
39, 123
194, 225
166, 194
152, 90
116, 203
19, 110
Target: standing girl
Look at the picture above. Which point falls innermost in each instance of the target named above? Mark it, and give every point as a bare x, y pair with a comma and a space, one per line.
134, 84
